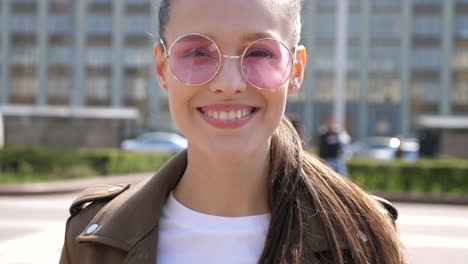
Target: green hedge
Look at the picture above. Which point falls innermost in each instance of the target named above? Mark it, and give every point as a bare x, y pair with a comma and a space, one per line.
30, 164
423, 176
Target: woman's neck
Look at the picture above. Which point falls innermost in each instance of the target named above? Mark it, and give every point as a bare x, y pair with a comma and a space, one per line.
223, 187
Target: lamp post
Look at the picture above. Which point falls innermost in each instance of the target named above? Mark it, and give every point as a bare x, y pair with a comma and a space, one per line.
339, 104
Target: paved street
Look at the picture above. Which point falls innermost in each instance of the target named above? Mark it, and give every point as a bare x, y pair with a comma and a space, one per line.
31, 230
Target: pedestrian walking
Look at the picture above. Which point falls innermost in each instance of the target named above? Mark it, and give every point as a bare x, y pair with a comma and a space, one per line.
331, 148
244, 191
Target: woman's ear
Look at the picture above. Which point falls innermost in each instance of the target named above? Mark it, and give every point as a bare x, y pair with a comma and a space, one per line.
299, 64
160, 65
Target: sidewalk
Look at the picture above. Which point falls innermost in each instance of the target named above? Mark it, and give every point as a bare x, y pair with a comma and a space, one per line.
76, 185
68, 186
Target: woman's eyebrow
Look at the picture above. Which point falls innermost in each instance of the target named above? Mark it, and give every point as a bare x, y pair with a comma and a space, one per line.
257, 35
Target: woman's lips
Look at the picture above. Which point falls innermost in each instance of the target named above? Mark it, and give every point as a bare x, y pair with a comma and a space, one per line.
227, 116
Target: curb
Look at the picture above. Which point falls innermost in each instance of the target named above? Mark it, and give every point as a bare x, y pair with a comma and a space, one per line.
424, 198
68, 186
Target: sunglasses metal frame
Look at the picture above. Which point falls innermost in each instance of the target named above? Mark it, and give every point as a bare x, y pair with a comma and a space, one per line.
220, 61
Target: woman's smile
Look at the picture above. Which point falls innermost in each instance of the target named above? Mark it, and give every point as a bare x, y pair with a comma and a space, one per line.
227, 116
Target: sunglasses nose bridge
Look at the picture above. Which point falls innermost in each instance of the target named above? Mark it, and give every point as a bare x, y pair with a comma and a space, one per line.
231, 57
229, 77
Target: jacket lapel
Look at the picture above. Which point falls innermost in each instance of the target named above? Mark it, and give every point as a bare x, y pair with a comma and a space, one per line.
129, 222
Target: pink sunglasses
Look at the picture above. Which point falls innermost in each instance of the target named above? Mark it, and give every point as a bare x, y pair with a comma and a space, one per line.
195, 59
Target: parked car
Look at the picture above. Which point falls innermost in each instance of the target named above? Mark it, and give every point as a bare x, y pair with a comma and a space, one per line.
159, 142
386, 149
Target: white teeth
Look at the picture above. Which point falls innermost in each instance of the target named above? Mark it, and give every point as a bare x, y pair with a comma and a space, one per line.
238, 114
231, 115
223, 115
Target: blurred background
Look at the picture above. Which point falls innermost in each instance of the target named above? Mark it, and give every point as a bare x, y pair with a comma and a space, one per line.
80, 73
77, 85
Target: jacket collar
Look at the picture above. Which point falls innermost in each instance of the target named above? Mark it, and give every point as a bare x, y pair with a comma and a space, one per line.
129, 217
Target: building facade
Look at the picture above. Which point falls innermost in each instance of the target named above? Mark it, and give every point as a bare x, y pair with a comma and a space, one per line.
405, 59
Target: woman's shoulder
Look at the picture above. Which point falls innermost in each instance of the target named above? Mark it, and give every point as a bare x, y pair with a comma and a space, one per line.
89, 202
96, 194
388, 206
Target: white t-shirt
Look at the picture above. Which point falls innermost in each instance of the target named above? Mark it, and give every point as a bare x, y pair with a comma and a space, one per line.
187, 236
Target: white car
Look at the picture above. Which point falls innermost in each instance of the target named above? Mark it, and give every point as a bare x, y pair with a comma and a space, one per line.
159, 142
385, 148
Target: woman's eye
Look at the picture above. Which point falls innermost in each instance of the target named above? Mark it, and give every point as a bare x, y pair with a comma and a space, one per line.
260, 53
196, 53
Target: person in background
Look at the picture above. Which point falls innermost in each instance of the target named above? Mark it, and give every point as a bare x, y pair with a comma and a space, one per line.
331, 147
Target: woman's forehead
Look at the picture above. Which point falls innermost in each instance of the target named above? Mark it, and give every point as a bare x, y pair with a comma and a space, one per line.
229, 20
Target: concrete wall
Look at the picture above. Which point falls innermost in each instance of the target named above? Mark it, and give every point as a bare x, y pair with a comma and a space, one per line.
454, 144
66, 132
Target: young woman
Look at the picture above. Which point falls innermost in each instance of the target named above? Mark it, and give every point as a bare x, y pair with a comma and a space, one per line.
244, 191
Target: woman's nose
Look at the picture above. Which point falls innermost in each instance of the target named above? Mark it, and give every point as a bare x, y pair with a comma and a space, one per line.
229, 79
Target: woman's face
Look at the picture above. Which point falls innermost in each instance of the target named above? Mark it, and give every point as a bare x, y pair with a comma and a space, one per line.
200, 112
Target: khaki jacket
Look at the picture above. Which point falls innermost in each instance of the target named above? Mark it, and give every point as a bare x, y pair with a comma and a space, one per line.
119, 223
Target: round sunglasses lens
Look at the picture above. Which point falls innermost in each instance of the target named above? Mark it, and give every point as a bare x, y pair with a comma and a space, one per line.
267, 64
194, 59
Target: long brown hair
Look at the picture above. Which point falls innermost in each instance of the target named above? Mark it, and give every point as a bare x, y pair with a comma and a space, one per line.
302, 186
356, 226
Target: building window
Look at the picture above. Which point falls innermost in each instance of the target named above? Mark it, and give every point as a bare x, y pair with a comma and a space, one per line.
426, 91
460, 59
354, 25
385, 3
354, 59
326, 26
99, 56
137, 57
426, 59
24, 54
383, 90
427, 2
24, 24
324, 58
461, 26
23, 86
98, 87
137, 2
385, 25
59, 24
60, 55
101, 2
137, 25
384, 59
99, 24
460, 92
427, 26
59, 86
135, 88
324, 90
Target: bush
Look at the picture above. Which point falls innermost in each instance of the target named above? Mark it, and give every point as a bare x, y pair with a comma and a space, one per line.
121, 162
427, 176
30, 164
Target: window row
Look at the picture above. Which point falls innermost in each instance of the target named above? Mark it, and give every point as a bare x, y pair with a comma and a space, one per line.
96, 87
